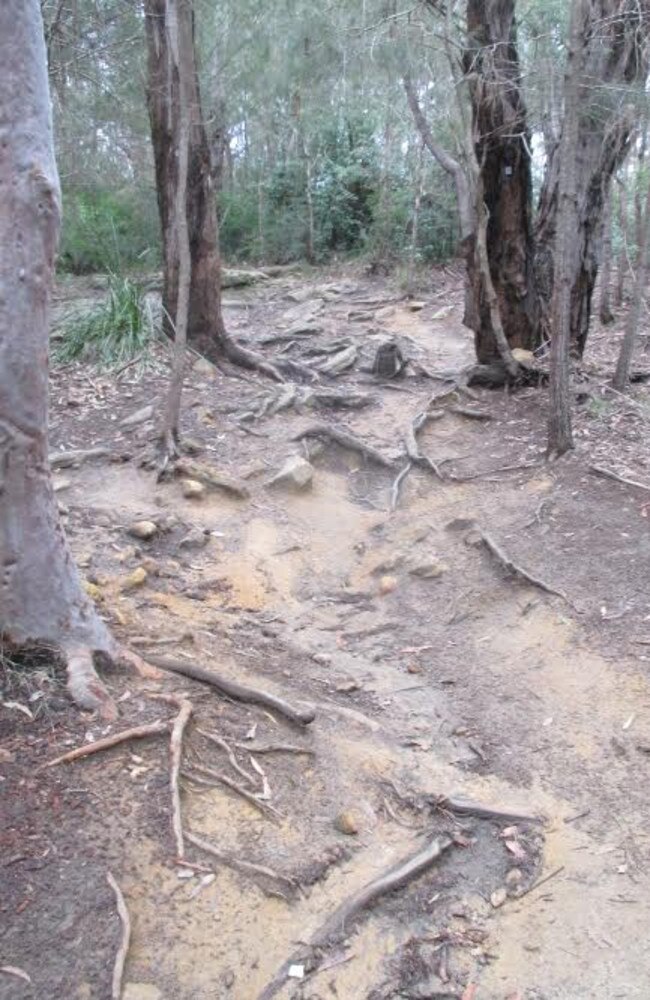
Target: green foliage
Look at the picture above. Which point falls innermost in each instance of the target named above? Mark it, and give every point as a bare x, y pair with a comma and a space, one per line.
111, 333
108, 230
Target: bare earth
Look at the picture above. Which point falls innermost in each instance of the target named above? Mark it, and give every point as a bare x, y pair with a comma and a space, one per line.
465, 682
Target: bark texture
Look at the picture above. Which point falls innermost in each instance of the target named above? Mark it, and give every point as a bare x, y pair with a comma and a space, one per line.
502, 149
614, 41
41, 595
622, 373
205, 328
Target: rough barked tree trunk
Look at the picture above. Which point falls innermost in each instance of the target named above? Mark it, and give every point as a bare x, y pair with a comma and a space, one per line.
205, 328
622, 373
570, 165
605, 310
41, 595
615, 43
502, 147
622, 259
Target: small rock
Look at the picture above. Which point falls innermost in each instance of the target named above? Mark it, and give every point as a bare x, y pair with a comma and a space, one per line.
414, 668
143, 530
204, 367
193, 489
139, 417
103, 521
323, 658
193, 447
524, 358
498, 897
347, 822
141, 991
135, 579
296, 473
428, 569
473, 539
195, 539
347, 687
415, 306
152, 566
6, 756
62, 484
514, 876
389, 563
387, 584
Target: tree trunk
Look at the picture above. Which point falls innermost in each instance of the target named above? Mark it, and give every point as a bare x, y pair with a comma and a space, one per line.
605, 311
622, 256
560, 438
179, 26
615, 37
41, 596
622, 373
205, 327
502, 148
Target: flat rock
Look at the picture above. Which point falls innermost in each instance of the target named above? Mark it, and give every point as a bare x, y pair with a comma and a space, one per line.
195, 539
296, 473
143, 530
139, 417
428, 568
415, 305
212, 478
193, 489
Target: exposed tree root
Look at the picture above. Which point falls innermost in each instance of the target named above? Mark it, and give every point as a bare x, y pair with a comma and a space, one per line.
68, 459
122, 952
239, 692
135, 733
275, 748
511, 567
236, 766
84, 686
175, 755
245, 866
216, 778
468, 807
471, 413
337, 925
142, 668
345, 440
599, 470
250, 360
397, 485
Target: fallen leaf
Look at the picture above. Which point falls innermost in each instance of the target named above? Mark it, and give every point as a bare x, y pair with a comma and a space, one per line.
498, 897
516, 850
19, 708
13, 970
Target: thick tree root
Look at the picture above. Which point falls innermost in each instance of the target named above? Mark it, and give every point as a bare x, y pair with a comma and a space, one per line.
250, 360
512, 567
123, 950
337, 926
84, 686
239, 692
335, 434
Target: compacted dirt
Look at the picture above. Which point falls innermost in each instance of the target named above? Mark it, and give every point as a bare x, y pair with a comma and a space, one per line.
435, 676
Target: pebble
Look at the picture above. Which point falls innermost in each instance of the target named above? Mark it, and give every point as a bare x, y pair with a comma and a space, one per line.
428, 569
347, 822
193, 489
323, 658
143, 530
387, 584
296, 473
194, 539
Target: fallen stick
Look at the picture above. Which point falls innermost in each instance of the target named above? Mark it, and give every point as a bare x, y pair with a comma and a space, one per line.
217, 778
491, 472
239, 692
471, 413
336, 925
599, 470
518, 571
231, 756
274, 748
66, 459
245, 866
120, 958
468, 807
175, 754
137, 733
541, 881
346, 440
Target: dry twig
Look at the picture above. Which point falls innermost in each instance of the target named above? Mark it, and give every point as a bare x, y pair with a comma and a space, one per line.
518, 571
215, 777
175, 755
136, 733
336, 926
214, 738
599, 470
120, 958
245, 866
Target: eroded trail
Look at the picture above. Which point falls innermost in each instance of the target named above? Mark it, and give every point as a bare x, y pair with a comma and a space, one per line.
433, 674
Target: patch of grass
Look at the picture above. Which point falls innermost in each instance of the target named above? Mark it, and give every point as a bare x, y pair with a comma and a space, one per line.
113, 332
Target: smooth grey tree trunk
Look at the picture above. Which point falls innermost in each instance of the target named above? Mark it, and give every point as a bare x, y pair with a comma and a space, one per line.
41, 596
622, 373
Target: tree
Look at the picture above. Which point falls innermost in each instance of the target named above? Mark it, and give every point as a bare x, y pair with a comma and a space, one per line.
622, 373
570, 163
41, 596
205, 326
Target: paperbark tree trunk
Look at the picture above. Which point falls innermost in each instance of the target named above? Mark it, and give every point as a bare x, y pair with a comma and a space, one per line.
41, 596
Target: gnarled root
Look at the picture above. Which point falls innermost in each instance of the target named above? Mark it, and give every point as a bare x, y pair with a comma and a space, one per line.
241, 356
84, 686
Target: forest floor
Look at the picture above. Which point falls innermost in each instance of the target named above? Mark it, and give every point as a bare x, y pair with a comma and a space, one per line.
433, 672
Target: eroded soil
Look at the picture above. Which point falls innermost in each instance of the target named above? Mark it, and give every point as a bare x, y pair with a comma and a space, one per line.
433, 673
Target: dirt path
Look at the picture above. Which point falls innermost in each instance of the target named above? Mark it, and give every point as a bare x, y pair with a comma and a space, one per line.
433, 673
